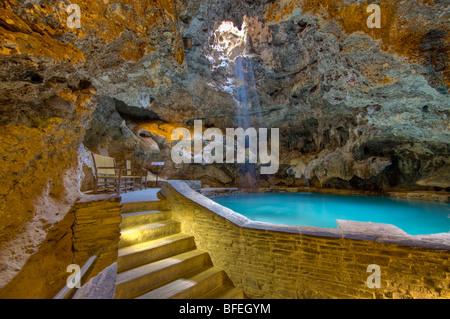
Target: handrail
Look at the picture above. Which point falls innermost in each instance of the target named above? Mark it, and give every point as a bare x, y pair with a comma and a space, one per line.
63, 293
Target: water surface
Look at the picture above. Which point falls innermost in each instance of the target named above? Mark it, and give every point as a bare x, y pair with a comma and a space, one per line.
415, 217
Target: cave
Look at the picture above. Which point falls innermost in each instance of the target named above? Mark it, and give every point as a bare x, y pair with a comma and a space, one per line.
362, 109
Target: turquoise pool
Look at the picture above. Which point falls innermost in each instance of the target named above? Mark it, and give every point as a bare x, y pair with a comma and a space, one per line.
415, 217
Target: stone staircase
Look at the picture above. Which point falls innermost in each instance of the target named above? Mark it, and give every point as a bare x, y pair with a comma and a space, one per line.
157, 261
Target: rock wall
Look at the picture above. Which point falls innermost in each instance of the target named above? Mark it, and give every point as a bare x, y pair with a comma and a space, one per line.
354, 105
357, 108
44, 272
50, 78
90, 228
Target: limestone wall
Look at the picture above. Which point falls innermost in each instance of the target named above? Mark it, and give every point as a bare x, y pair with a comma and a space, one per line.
91, 227
310, 262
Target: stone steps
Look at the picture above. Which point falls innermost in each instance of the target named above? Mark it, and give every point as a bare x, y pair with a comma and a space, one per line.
145, 217
144, 206
138, 281
157, 261
138, 234
153, 250
189, 287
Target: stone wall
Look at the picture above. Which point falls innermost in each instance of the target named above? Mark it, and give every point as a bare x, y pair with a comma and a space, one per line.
96, 231
274, 261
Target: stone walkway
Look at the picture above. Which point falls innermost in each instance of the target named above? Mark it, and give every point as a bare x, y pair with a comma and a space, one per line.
145, 195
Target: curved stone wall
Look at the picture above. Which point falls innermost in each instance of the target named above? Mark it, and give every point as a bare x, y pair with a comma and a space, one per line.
277, 261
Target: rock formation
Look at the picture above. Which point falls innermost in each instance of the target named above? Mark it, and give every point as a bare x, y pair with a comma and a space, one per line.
51, 78
357, 108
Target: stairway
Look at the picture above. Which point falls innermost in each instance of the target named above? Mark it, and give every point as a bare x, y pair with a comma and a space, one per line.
157, 261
